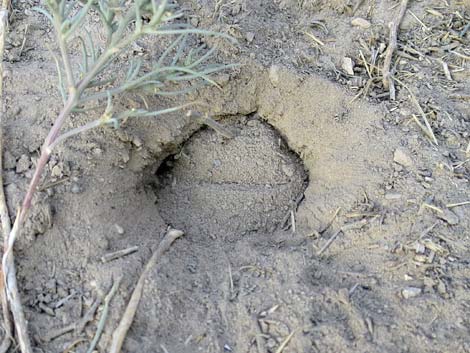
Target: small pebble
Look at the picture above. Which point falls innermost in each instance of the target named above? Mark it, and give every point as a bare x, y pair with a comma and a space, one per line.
441, 288
410, 292
250, 36
348, 66
119, 229
23, 164
56, 171
361, 22
392, 196
402, 158
137, 142
75, 188
420, 248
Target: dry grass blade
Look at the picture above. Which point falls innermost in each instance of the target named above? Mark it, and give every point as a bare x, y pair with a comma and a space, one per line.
428, 129
392, 45
128, 317
286, 341
104, 315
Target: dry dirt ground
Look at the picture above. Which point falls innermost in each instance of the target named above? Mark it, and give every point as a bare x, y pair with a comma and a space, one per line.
319, 153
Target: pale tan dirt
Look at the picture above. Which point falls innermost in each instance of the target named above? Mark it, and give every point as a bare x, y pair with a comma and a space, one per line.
241, 279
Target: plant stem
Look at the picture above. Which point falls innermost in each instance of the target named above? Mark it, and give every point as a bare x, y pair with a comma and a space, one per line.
8, 262
64, 54
45, 154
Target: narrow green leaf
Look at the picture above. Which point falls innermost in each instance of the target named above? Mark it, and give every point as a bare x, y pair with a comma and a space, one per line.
44, 12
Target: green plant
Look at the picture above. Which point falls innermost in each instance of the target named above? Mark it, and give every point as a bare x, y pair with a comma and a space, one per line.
89, 85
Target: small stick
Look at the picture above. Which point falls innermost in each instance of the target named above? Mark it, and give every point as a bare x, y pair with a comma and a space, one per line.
126, 321
426, 28
285, 342
104, 315
445, 67
452, 205
118, 254
207, 120
329, 242
24, 40
421, 112
330, 222
259, 337
292, 221
4, 215
73, 344
366, 65
394, 26
315, 39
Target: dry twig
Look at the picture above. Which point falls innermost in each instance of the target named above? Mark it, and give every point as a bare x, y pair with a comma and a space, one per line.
126, 321
394, 26
329, 242
4, 215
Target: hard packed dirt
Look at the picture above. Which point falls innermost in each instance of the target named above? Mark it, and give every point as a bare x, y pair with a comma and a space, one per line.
329, 221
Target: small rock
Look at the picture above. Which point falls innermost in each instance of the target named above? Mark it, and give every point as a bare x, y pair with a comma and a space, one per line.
361, 22
56, 171
49, 311
119, 229
420, 248
137, 142
23, 164
449, 217
392, 196
402, 158
75, 188
410, 292
274, 75
441, 288
421, 258
125, 157
348, 66
343, 296
250, 36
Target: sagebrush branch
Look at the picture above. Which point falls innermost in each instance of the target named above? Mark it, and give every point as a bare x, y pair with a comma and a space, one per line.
123, 27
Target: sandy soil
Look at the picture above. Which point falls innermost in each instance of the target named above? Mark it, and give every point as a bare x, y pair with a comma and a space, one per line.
318, 152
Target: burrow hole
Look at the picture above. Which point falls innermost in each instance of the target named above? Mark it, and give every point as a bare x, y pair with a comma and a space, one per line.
221, 187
